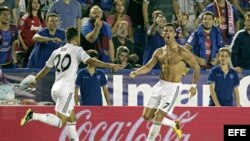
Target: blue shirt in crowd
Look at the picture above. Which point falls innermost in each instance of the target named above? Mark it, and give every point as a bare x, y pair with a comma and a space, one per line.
42, 50
90, 87
224, 85
153, 42
6, 40
67, 13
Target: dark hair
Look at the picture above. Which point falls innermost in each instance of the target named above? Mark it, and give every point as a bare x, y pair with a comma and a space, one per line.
71, 33
29, 10
50, 15
93, 53
185, 14
224, 49
170, 24
121, 49
113, 10
4, 8
208, 13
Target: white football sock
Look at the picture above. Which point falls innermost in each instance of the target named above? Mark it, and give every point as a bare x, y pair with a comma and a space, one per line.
71, 130
49, 119
168, 122
154, 131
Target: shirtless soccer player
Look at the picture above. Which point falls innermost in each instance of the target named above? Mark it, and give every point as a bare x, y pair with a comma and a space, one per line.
173, 60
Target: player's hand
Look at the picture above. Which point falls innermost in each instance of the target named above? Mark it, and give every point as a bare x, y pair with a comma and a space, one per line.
132, 75
115, 67
192, 91
32, 83
57, 40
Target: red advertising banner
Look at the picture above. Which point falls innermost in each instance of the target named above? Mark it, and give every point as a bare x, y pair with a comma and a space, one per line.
122, 124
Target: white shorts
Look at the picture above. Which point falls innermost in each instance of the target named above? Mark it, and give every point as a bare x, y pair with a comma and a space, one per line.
64, 99
163, 96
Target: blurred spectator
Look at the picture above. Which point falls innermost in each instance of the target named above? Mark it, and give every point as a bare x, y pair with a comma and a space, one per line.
22, 7
223, 82
182, 31
122, 55
240, 47
206, 3
69, 13
133, 59
8, 39
135, 14
226, 18
90, 81
205, 42
121, 37
29, 24
166, 6
106, 5
47, 40
45, 4
119, 14
11, 4
242, 6
189, 7
97, 35
154, 37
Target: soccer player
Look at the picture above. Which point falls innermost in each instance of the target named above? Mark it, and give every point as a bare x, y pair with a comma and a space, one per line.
65, 60
172, 59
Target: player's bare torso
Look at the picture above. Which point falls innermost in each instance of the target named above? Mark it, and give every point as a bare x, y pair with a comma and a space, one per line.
171, 62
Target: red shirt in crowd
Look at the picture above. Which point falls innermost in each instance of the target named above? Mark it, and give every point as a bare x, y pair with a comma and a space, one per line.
29, 27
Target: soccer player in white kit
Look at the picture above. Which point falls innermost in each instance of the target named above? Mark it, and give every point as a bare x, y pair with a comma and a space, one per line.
65, 60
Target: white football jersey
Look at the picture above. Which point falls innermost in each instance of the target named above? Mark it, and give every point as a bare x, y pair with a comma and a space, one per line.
66, 61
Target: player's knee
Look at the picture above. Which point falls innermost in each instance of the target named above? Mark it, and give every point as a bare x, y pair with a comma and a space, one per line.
159, 116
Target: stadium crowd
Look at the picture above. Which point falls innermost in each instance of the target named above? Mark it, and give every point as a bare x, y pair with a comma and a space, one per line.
30, 30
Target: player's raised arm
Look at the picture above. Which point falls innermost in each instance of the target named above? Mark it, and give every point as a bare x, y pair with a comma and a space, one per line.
147, 67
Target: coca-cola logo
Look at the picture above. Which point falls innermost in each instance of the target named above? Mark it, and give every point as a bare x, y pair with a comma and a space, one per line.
113, 128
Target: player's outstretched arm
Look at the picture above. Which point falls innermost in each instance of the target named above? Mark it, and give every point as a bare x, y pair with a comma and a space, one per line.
146, 68
98, 63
